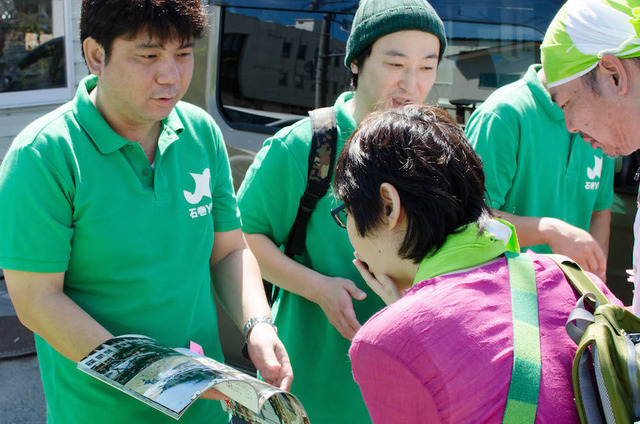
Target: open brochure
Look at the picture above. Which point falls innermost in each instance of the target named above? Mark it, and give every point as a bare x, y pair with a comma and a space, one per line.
170, 380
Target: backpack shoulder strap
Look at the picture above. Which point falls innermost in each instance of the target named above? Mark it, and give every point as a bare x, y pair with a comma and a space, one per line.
524, 387
578, 278
322, 157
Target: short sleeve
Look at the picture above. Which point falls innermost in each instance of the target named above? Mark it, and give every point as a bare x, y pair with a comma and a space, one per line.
497, 145
271, 191
36, 214
605, 190
226, 216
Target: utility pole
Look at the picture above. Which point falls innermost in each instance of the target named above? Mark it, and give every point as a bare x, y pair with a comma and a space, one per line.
323, 62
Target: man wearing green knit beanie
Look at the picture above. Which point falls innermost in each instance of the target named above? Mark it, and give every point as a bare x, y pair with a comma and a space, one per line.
384, 25
393, 53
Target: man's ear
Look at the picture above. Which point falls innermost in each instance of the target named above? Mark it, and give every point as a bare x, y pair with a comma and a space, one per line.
391, 205
354, 67
94, 55
613, 72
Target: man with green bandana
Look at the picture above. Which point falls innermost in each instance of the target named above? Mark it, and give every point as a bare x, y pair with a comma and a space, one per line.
591, 57
119, 217
558, 202
393, 52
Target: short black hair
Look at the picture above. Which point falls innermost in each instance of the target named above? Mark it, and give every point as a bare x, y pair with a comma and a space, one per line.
590, 79
105, 20
360, 60
423, 153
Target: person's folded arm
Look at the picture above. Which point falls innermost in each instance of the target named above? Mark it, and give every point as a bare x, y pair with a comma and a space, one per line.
42, 307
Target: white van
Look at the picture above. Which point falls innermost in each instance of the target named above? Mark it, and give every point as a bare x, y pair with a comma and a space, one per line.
265, 63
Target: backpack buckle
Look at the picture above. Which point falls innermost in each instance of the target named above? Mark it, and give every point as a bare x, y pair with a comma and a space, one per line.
308, 202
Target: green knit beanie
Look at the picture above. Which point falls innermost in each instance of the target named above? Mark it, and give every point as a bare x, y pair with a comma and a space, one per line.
376, 18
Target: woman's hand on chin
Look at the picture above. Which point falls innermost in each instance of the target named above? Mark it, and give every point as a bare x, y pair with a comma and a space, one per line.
382, 285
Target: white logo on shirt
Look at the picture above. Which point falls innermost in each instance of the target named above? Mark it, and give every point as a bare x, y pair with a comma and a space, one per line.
594, 173
597, 169
202, 187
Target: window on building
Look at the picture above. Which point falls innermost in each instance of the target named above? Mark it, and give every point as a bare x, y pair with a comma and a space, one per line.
302, 52
283, 81
286, 49
35, 57
231, 49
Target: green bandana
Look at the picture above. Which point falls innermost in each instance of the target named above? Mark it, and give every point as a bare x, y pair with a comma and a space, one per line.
467, 248
584, 30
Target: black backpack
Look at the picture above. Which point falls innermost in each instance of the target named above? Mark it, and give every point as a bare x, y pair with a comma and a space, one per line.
322, 157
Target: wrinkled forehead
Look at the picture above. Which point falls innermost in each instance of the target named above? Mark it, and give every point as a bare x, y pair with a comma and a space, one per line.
560, 93
158, 35
144, 41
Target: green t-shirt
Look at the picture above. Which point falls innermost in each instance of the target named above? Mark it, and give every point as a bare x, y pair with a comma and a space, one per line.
268, 200
533, 165
134, 240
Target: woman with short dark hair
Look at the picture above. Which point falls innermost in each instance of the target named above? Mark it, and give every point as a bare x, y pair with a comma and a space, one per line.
442, 350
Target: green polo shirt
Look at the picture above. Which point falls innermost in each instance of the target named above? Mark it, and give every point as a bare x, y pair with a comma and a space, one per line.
269, 199
134, 240
533, 165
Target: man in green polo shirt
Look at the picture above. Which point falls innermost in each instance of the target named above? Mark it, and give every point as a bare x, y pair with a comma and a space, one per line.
393, 52
552, 186
119, 217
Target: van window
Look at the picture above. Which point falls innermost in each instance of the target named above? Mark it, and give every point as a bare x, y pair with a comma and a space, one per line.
33, 52
278, 63
270, 61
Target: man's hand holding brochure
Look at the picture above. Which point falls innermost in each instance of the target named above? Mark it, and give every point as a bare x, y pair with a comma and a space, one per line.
170, 380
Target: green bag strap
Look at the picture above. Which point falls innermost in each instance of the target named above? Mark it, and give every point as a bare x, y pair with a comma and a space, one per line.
524, 388
580, 317
578, 278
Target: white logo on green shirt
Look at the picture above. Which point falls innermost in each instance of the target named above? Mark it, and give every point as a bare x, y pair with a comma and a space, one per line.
597, 169
594, 173
202, 187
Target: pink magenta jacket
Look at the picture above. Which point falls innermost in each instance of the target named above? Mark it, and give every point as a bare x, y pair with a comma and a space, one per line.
443, 353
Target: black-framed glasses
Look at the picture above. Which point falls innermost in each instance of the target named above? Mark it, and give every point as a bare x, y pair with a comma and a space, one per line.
340, 216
